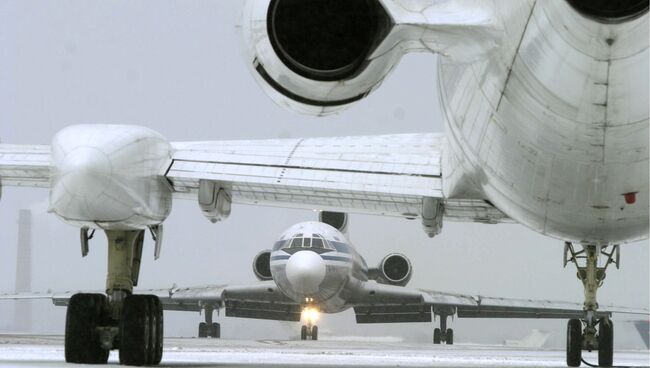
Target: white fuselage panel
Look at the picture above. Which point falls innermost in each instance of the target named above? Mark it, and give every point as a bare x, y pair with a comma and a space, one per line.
564, 149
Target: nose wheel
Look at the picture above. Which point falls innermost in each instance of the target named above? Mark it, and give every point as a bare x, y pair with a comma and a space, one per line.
309, 333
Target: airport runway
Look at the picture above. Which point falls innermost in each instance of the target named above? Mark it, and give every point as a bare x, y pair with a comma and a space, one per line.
47, 351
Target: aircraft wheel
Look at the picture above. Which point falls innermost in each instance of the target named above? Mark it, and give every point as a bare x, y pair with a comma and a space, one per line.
574, 343
215, 331
158, 329
82, 343
303, 333
314, 333
606, 343
203, 330
141, 331
436, 336
450, 337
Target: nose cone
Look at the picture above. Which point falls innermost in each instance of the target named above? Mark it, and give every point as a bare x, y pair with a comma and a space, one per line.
305, 271
85, 172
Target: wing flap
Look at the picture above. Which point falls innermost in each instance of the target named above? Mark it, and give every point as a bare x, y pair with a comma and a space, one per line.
374, 174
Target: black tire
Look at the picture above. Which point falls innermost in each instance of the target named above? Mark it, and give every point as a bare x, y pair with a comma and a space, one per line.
606, 343
314, 333
82, 344
574, 343
158, 331
450, 337
215, 331
436, 336
139, 330
303, 333
203, 330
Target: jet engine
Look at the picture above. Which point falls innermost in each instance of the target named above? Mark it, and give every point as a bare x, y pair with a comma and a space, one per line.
320, 56
394, 269
262, 265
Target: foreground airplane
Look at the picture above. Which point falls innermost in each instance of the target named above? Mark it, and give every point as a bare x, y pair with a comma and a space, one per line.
545, 103
313, 269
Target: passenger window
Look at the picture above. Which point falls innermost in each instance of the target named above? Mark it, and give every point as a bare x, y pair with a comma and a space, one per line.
307, 243
317, 243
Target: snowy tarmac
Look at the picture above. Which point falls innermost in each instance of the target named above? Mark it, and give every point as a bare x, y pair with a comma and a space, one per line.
47, 351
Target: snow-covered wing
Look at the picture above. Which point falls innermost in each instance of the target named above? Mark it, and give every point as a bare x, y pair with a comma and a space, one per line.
25, 165
383, 174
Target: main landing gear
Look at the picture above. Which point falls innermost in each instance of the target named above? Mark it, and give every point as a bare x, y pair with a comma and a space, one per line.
209, 328
595, 331
443, 335
97, 323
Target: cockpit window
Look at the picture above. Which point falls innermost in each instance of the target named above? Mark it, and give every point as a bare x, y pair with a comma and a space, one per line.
317, 243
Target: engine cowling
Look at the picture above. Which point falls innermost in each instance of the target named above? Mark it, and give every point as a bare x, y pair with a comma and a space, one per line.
319, 56
262, 265
394, 269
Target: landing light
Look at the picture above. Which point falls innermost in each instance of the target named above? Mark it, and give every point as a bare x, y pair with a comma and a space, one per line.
310, 315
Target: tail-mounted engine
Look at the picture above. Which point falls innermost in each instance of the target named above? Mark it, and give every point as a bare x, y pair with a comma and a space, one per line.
319, 56
262, 265
394, 269
337, 220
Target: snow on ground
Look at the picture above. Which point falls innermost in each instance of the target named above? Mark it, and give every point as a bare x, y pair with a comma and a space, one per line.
47, 351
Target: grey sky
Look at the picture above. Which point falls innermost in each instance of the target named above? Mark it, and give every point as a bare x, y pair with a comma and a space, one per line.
177, 67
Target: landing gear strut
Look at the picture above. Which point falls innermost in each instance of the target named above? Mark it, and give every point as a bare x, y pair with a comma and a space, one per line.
97, 323
309, 331
209, 328
443, 334
595, 331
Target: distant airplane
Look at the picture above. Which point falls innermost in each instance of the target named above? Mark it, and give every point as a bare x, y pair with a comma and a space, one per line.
313, 269
546, 109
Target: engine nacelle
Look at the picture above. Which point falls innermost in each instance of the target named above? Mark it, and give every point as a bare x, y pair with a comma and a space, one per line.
337, 220
394, 269
262, 265
320, 56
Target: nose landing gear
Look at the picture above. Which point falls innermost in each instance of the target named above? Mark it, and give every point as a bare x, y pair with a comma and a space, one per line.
310, 330
595, 331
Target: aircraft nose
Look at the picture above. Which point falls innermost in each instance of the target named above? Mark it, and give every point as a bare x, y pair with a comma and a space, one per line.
85, 171
305, 271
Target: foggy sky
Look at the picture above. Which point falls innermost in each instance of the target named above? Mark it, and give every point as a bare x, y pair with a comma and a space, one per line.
178, 68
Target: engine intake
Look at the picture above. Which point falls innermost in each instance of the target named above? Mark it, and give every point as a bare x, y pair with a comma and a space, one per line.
394, 269
326, 40
262, 265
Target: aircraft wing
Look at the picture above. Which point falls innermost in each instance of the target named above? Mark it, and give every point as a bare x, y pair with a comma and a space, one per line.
383, 174
25, 165
386, 303
261, 300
